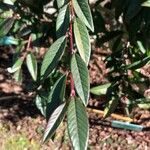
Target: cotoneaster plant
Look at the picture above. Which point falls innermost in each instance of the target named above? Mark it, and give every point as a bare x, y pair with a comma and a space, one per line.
73, 21
62, 80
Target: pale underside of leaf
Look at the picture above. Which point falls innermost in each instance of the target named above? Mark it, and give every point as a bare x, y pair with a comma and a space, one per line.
54, 121
81, 78
61, 3
82, 40
56, 96
101, 89
77, 123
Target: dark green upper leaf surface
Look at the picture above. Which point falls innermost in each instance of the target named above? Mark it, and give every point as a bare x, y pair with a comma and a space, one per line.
111, 106
5, 26
82, 10
56, 96
139, 64
63, 20
77, 123
54, 121
53, 56
132, 10
82, 40
81, 77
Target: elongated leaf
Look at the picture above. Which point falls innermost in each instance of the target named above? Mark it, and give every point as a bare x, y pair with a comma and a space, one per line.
18, 76
82, 40
5, 26
146, 3
32, 65
54, 121
111, 106
40, 102
82, 10
141, 47
63, 20
100, 90
16, 66
61, 3
81, 77
133, 9
56, 96
139, 64
77, 123
53, 56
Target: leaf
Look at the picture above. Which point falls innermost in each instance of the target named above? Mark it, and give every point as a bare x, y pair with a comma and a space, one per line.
146, 3
63, 20
111, 106
8, 40
100, 90
82, 10
56, 96
54, 121
40, 102
52, 57
16, 66
10, 2
77, 123
32, 65
18, 76
5, 26
81, 77
141, 47
82, 40
61, 3
132, 10
138, 64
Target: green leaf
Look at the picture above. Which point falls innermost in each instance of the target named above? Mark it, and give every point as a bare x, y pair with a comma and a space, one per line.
5, 26
139, 64
146, 3
100, 90
17, 65
81, 77
144, 106
77, 123
18, 76
141, 47
61, 3
54, 121
40, 102
32, 65
52, 57
82, 40
82, 10
63, 20
56, 96
111, 106
132, 10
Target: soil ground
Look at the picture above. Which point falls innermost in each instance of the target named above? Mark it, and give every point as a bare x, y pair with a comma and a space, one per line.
22, 125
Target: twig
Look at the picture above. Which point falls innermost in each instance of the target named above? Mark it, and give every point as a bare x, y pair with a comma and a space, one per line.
116, 116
